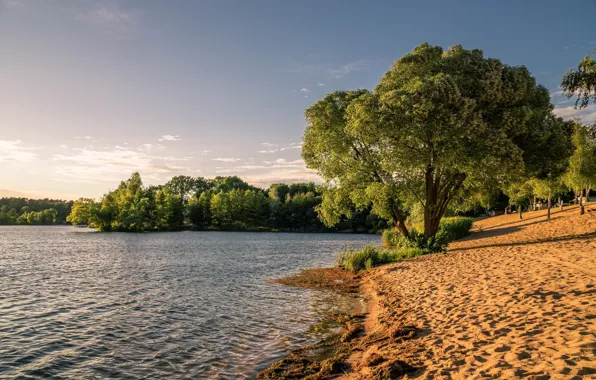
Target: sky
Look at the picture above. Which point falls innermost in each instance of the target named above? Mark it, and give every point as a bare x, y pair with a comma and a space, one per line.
91, 91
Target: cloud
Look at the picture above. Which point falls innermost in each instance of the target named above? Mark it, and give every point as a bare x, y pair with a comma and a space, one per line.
320, 84
104, 14
83, 137
14, 151
206, 152
268, 151
169, 138
585, 115
329, 69
63, 146
304, 90
89, 165
13, 3
348, 68
292, 146
226, 159
268, 145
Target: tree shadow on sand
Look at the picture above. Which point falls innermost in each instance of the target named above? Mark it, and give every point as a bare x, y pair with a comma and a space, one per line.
503, 231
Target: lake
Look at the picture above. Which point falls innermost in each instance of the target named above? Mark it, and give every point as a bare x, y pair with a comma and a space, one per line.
75, 303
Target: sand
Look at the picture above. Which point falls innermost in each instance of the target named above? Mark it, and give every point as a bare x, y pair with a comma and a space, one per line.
514, 299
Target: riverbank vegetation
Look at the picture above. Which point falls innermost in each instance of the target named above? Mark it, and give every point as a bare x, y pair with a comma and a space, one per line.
222, 204
24, 211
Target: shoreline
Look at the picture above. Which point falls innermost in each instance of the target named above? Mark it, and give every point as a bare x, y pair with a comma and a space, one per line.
516, 298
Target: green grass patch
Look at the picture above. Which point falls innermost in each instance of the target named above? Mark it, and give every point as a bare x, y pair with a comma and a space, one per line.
371, 256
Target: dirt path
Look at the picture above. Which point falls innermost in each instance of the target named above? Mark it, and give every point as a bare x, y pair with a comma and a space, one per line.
514, 299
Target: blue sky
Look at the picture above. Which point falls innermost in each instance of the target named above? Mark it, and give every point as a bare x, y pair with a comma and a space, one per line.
93, 90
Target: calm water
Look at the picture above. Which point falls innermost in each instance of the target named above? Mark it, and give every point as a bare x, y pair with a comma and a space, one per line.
79, 304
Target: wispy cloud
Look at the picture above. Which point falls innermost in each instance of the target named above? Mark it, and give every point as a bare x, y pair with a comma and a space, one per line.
349, 68
13, 3
268, 145
585, 115
226, 159
103, 14
269, 151
336, 71
111, 165
169, 138
83, 137
320, 84
14, 151
206, 152
304, 90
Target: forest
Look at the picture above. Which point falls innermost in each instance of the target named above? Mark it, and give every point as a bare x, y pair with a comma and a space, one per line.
24, 211
219, 204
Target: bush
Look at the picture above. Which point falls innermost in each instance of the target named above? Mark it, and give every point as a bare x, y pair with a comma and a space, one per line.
371, 256
450, 229
455, 228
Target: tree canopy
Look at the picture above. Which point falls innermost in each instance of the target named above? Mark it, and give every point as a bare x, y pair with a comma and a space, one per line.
439, 122
581, 82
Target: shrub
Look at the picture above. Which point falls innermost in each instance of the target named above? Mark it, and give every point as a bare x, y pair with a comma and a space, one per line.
455, 228
450, 229
370, 256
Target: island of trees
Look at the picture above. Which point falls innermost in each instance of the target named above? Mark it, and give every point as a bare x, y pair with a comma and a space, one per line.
222, 203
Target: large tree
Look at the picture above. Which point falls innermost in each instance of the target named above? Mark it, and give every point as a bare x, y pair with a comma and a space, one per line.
439, 121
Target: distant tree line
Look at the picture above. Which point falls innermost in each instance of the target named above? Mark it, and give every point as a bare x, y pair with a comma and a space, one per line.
221, 203
33, 211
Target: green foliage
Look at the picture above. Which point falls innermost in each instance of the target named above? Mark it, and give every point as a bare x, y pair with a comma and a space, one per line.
450, 229
132, 208
581, 172
82, 212
438, 124
370, 256
33, 211
582, 81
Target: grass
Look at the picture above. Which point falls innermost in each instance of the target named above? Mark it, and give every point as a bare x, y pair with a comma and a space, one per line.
450, 229
398, 248
371, 256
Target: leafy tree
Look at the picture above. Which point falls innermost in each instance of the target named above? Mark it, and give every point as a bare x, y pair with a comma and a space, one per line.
437, 122
548, 188
186, 185
82, 212
581, 174
278, 191
519, 194
582, 81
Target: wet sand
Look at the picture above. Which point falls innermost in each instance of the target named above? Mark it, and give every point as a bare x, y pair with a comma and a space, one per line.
517, 298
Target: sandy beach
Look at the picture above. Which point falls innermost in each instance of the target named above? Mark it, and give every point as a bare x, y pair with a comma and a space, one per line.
517, 298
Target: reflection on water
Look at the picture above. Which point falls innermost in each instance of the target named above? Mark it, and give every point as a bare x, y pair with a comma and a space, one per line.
80, 304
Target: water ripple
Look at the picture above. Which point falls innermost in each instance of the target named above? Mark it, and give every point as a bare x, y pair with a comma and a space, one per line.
80, 304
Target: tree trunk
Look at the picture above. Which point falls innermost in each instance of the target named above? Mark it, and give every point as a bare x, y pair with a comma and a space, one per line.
560, 203
520, 208
534, 204
581, 203
549, 201
588, 194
